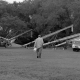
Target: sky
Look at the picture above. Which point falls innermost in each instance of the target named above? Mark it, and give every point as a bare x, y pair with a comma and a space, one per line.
11, 1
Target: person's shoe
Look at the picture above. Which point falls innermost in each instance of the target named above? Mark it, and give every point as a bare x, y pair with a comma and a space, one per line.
37, 57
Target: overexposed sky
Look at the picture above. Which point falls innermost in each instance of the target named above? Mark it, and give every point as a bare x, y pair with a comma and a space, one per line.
11, 1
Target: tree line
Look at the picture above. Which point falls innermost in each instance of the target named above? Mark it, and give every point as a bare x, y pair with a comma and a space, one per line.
42, 16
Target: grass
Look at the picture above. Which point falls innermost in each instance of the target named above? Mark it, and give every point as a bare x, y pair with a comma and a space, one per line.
22, 64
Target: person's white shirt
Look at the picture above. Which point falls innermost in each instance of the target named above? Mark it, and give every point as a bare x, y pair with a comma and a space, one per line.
38, 42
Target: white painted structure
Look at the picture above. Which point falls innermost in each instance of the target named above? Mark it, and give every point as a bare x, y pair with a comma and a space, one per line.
51, 34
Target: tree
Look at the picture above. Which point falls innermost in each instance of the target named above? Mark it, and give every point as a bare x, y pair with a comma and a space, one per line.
10, 22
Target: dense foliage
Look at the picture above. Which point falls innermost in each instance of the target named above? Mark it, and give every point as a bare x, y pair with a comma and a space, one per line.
43, 16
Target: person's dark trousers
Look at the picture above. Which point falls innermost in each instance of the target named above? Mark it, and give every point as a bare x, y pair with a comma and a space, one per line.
39, 52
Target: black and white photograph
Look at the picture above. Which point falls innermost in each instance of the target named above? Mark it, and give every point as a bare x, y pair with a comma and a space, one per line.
39, 39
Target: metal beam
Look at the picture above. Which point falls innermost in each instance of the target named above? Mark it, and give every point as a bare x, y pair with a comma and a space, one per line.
57, 31
62, 39
20, 34
51, 34
60, 44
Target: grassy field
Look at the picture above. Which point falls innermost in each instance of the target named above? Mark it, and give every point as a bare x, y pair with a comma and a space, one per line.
22, 64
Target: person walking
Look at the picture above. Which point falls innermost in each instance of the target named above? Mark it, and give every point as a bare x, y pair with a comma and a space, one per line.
39, 45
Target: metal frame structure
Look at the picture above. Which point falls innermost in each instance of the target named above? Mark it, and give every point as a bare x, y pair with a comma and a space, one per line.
62, 39
11, 40
51, 34
20, 34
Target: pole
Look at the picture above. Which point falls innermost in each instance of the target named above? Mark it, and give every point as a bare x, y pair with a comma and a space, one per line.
20, 34
62, 39
51, 34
